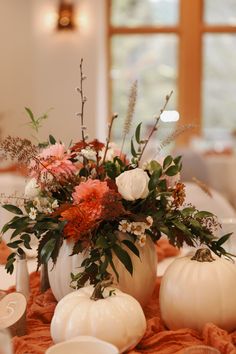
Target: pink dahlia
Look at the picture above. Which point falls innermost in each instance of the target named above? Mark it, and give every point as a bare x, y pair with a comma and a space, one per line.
91, 190
55, 160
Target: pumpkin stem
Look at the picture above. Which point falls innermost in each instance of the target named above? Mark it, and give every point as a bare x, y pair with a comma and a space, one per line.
100, 287
203, 255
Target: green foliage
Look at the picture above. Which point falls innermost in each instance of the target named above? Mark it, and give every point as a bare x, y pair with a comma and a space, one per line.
52, 140
35, 122
168, 161
13, 209
137, 133
124, 257
163, 204
133, 151
48, 230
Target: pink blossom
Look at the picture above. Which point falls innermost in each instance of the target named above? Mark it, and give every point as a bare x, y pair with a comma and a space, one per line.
91, 190
55, 159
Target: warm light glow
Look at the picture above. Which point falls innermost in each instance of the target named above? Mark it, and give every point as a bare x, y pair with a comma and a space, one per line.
81, 20
50, 20
170, 116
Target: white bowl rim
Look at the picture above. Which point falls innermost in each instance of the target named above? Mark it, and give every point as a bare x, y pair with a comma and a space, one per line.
87, 339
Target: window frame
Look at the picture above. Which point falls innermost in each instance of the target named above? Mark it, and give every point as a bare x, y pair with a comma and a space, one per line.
191, 29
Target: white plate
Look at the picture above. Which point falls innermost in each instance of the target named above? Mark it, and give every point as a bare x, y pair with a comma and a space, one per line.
83, 345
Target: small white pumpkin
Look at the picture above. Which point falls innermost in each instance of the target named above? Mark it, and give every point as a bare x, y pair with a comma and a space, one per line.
200, 289
118, 319
140, 285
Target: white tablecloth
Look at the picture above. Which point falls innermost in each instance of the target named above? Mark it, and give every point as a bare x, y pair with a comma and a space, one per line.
221, 172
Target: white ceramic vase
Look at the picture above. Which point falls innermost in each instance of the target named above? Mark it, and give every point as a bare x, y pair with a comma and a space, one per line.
140, 285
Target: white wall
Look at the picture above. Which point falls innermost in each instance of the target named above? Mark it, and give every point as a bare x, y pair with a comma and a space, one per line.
15, 64
40, 68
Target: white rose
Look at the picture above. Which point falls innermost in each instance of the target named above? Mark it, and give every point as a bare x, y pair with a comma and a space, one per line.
89, 154
133, 184
32, 189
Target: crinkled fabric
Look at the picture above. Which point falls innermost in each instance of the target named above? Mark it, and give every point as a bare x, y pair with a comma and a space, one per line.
157, 338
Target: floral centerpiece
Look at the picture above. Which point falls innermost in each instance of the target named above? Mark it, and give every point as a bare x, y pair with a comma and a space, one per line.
104, 204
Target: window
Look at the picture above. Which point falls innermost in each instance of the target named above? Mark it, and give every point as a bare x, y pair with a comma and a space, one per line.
185, 45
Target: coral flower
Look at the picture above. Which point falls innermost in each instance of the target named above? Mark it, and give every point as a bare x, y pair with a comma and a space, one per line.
55, 159
91, 190
77, 223
81, 219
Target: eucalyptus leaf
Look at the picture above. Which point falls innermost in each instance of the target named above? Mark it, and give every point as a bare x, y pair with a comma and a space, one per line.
188, 211
27, 245
133, 151
20, 222
10, 264
102, 242
203, 214
154, 179
195, 223
52, 140
155, 166
162, 185
137, 133
5, 228
182, 227
12, 255
131, 246
47, 250
19, 230
14, 244
223, 239
124, 257
168, 161
177, 160
165, 230
30, 114
13, 209
109, 256
25, 238
172, 170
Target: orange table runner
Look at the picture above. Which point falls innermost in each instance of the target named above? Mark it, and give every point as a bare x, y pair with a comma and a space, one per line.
4, 252
157, 338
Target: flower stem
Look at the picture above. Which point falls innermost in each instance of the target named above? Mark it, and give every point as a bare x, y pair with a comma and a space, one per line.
82, 98
203, 255
114, 116
99, 288
154, 128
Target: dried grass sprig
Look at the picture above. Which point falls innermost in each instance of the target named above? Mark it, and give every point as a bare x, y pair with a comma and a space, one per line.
205, 188
18, 149
9, 199
130, 113
24, 152
180, 130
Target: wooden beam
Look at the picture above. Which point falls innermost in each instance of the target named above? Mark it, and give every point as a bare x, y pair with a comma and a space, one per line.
218, 29
190, 66
143, 30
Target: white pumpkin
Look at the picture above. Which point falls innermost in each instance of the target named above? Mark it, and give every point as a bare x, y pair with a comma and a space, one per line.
60, 274
196, 291
118, 319
140, 285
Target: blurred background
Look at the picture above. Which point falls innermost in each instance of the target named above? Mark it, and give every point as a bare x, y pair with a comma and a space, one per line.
188, 46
